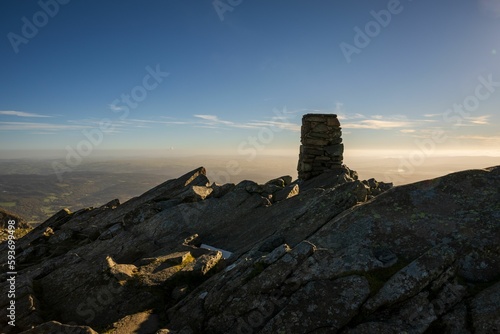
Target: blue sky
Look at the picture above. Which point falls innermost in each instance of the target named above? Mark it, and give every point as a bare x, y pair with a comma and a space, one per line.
245, 69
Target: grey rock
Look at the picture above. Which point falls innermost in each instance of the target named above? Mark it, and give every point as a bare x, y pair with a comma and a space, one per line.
485, 310
195, 193
61, 236
112, 231
138, 323
414, 277
203, 264
321, 304
220, 190
286, 193
52, 327
455, 322
120, 271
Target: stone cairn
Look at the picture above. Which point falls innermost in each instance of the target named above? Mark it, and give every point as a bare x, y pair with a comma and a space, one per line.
322, 149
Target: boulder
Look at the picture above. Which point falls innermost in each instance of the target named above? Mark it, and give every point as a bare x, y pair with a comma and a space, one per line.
287, 192
220, 190
121, 272
321, 304
485, 310
139, 323
52, 327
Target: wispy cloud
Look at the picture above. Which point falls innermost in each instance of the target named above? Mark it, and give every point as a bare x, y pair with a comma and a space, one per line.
20, 113
344, 117
382, 122
132, 121
480, 138
377, 124
212, 121
30, 126
432, 115
283, 125
114, 107
467, 121
479, 120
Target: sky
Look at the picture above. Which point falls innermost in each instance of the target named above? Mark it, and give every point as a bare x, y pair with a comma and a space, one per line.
186, 77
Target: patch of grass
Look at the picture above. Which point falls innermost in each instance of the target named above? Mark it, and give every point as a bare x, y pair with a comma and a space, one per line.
50, 198
7, 204
47, 210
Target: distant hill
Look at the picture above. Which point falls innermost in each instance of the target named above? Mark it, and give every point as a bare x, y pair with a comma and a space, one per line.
21, 227
6, 216
37, 197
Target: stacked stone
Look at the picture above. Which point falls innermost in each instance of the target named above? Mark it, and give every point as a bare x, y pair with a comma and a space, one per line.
322, 149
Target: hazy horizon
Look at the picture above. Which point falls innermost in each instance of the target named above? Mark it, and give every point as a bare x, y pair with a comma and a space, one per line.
415, 84
396, 167
33, 189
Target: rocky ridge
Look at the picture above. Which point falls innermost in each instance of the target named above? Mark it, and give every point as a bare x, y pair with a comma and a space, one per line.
329, 254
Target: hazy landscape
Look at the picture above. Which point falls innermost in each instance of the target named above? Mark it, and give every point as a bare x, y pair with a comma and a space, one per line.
30, 188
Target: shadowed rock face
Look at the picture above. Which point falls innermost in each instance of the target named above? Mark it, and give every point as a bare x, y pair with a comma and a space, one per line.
330, 254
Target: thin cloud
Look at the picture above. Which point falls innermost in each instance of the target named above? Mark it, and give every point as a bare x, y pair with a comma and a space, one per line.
342, 116
479, 120
377, 124
215, 122
155, 122
29, 126
480, 138
114, 107
213, 119
20, 113
282, 125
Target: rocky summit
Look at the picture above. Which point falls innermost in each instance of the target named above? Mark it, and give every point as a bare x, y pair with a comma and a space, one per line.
330, 254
